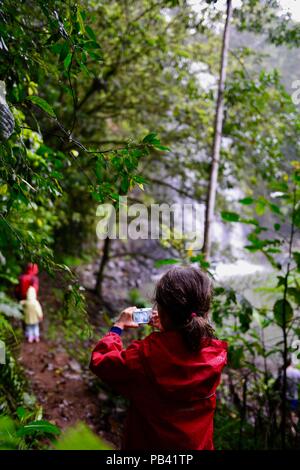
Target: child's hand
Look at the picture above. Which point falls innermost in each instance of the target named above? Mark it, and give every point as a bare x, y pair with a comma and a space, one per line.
155, 321
125, 319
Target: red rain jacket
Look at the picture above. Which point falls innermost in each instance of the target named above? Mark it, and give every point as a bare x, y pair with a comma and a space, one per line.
171, 390
29, 278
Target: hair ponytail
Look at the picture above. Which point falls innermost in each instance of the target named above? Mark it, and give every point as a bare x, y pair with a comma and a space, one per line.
194, 330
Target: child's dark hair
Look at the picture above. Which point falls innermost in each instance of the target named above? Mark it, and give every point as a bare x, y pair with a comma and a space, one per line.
184, 294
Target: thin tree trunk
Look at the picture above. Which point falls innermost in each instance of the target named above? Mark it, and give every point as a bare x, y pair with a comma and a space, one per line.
243, 412
103, 262
218, 124
105, 256
106, 252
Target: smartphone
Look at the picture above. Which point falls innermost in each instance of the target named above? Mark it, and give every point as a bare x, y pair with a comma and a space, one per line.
142, 315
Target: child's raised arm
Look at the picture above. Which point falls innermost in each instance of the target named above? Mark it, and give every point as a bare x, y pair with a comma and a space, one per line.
114, 364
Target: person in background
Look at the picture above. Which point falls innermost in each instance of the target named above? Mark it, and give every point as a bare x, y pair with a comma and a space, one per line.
33, 314
293, 384
171, 376
27, 279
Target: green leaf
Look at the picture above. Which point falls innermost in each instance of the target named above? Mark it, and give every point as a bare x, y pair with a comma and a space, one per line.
64, 51
230, 216
21, 412
235, 356
80, 20
274, 208
68, 60
245, 315
296, 256
81, 438
201, 260
259, 319
3, 189
283, 309
41, 103
91, 45
260, 208
294, 292
9, 278
125, 183
8, 439
163, 262
151, 139
84, 69
246, 201
219, 291
297, 217
91, 33
163, 148
281, 281
38, 426
249, 221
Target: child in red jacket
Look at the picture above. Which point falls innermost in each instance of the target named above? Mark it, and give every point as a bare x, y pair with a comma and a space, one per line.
27, 279
171, 376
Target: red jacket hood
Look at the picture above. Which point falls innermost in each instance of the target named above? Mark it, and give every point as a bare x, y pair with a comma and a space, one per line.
184, 374
32, 269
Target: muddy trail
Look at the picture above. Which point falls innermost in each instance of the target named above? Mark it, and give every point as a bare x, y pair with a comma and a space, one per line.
57, 383
61, 384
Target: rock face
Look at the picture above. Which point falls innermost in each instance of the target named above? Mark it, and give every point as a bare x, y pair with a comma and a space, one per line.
126, 272
7, 122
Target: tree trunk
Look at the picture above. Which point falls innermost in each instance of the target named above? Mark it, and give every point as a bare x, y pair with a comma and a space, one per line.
106, 252
218, 124
104, 260
105, 257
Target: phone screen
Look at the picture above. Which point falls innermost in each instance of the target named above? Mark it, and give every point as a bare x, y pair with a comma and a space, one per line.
142, 315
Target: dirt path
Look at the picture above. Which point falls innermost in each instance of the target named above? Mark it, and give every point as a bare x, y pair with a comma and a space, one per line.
57, 382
